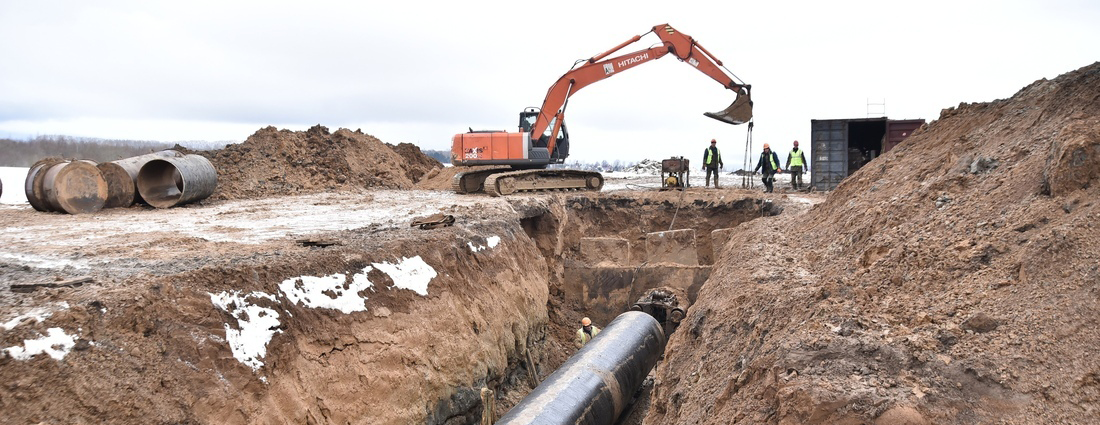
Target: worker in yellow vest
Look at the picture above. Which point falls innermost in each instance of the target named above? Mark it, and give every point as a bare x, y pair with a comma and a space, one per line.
586, 332
796, 162
712, 161
768, 165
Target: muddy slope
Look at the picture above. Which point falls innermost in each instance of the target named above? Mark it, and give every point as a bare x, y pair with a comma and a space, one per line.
954, 280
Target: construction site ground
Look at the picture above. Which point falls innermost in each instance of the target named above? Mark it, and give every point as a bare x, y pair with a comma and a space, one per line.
955, 279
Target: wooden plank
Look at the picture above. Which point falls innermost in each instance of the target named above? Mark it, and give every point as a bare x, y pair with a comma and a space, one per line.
31, 287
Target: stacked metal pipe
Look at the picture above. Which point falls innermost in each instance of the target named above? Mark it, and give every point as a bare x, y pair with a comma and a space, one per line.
83, 186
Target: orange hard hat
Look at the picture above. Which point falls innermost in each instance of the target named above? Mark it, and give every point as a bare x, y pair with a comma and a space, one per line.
586, 321
713, 141
766, 146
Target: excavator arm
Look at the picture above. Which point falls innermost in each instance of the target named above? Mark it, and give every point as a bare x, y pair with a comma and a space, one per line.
599, 67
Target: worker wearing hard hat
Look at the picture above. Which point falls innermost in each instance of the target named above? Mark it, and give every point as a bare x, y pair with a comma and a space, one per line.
796, 163
586, 332
712, 161
768, 165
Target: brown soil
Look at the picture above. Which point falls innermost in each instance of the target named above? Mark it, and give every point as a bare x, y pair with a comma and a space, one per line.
275, 162
954, 280
150, 345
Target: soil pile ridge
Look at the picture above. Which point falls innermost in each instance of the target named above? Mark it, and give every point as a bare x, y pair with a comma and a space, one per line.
275, 162
955, 279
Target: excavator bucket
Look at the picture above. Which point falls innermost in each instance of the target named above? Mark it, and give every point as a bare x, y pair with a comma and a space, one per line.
739, 112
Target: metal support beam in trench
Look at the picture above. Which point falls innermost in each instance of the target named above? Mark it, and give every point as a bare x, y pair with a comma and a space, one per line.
596, 384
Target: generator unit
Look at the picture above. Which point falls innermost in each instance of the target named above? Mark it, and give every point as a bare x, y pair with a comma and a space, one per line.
675, 173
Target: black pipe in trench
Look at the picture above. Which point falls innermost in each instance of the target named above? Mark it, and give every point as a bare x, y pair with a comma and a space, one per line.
595, 385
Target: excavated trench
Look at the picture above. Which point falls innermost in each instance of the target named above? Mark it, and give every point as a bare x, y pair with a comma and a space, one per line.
372, 325
603, 253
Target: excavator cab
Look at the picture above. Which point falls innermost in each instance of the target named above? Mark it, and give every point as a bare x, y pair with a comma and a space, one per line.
527, 120
739, 112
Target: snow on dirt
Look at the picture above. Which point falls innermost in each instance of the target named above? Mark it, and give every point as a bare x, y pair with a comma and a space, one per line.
314, 291
56, 344
52, 240
255, 325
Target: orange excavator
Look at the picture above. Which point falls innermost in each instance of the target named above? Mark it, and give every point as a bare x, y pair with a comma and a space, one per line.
542, 138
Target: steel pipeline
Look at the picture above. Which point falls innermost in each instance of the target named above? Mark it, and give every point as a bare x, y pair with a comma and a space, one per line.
594, 386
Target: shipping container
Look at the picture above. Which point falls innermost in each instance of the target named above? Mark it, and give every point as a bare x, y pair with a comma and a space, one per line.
840, 147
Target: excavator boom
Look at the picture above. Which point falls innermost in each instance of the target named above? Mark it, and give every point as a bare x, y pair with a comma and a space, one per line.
543, 139
597, 68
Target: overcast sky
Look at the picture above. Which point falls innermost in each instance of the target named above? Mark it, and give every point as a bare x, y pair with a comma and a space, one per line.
420, 72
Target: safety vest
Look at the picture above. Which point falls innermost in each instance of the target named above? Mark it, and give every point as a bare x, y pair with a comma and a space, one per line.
582, 337
796, 158
713, 156
771, 159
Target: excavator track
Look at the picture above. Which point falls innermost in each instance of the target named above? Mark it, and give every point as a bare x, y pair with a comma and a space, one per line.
507, 183
473, 181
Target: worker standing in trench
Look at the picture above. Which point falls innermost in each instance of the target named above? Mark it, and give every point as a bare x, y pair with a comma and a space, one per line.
586, 332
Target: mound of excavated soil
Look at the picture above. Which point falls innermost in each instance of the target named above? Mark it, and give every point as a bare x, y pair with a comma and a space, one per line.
275, 162
416, 162
955, 279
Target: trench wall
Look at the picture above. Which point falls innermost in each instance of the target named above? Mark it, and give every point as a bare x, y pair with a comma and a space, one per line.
398, 329
606, 252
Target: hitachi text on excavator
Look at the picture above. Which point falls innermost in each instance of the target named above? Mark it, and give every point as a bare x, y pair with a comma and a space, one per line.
542, 139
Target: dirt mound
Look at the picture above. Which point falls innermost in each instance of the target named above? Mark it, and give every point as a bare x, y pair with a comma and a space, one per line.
953, 280
417, 163
275, 162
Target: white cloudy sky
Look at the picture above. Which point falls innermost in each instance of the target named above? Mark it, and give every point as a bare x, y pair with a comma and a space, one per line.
421, 71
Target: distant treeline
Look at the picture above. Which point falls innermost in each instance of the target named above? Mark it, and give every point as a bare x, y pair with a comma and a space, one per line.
24, 153
441, 156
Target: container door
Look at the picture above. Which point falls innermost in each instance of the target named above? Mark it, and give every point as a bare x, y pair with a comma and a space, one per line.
899, 130
829, 154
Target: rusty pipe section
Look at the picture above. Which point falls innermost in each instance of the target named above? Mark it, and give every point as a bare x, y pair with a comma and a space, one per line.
595, 385
74, 187
170, 181
132, 166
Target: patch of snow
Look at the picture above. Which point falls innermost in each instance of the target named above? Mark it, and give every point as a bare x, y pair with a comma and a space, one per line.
257, 326
329, 291
38, 314
491, 241
55, 343
409, 273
